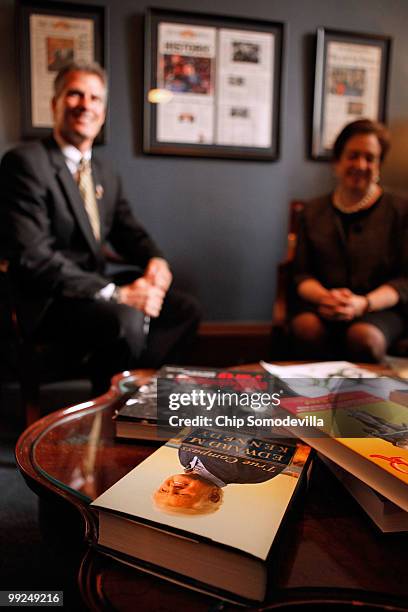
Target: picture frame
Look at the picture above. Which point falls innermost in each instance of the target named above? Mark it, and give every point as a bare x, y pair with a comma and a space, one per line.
351, 78
221, 81
51, 34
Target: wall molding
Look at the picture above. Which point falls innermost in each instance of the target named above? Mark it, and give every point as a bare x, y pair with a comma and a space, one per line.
235, 328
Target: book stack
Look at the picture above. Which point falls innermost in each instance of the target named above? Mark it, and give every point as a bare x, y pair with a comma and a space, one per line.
205, 510
365, 444
388, 517
136, 413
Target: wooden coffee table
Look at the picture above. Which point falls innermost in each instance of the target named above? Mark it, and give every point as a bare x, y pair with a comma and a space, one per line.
327, 552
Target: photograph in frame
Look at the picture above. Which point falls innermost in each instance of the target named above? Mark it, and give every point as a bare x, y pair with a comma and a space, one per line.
350, 84
220, 78
53, 34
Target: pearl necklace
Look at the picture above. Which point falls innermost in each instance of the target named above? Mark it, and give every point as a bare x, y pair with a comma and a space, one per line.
369, 198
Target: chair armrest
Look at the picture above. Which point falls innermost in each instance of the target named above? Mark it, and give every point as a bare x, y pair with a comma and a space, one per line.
280, 307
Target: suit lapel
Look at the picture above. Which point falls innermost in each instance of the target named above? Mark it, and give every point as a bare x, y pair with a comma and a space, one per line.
71, 192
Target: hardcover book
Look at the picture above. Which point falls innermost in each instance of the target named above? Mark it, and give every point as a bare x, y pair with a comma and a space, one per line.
363, 431
136, 415
205, 509
388, 517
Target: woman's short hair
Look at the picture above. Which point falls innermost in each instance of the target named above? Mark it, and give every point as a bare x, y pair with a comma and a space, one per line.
362, 126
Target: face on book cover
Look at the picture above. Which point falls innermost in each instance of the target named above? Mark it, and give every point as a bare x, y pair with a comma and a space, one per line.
189, 494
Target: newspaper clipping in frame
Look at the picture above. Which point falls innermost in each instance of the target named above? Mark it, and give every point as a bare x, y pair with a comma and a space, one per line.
186, 67
352, 86
245, 88
54, 41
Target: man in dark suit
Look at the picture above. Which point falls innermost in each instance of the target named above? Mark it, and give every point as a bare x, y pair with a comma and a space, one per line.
60, 204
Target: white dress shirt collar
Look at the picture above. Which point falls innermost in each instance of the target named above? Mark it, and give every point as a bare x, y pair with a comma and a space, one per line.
196, 466
71, 154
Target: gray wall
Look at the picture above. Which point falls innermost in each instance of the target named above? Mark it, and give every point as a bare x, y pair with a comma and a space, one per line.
222, 223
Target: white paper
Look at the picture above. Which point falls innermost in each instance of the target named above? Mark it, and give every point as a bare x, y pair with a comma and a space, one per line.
244, 88
335, 375
54, 41
186, 66
352, 83
323, 369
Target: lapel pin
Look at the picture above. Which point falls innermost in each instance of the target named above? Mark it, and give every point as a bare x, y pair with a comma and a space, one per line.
99, 192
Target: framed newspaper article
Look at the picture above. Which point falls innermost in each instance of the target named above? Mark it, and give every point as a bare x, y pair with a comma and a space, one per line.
51, 34
350, 83
212, 85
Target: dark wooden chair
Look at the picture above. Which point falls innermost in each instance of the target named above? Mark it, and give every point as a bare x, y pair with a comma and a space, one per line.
281, 340
281, 348
30, 363
34, 364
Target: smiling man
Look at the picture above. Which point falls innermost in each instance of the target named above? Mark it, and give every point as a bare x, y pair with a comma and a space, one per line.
79, 107
60, 206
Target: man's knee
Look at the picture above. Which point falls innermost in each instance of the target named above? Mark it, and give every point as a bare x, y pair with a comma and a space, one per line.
173, 333
131, 328
118, 324
191, 308
181, 308
366, 342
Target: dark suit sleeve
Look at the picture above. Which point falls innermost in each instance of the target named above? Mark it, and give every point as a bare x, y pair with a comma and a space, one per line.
126, 234
28, 239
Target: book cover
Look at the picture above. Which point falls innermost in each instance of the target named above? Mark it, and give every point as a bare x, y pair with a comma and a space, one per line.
207, 506
360, 429
136, 415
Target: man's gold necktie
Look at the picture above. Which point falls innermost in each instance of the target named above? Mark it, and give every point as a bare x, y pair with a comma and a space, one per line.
87, 191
